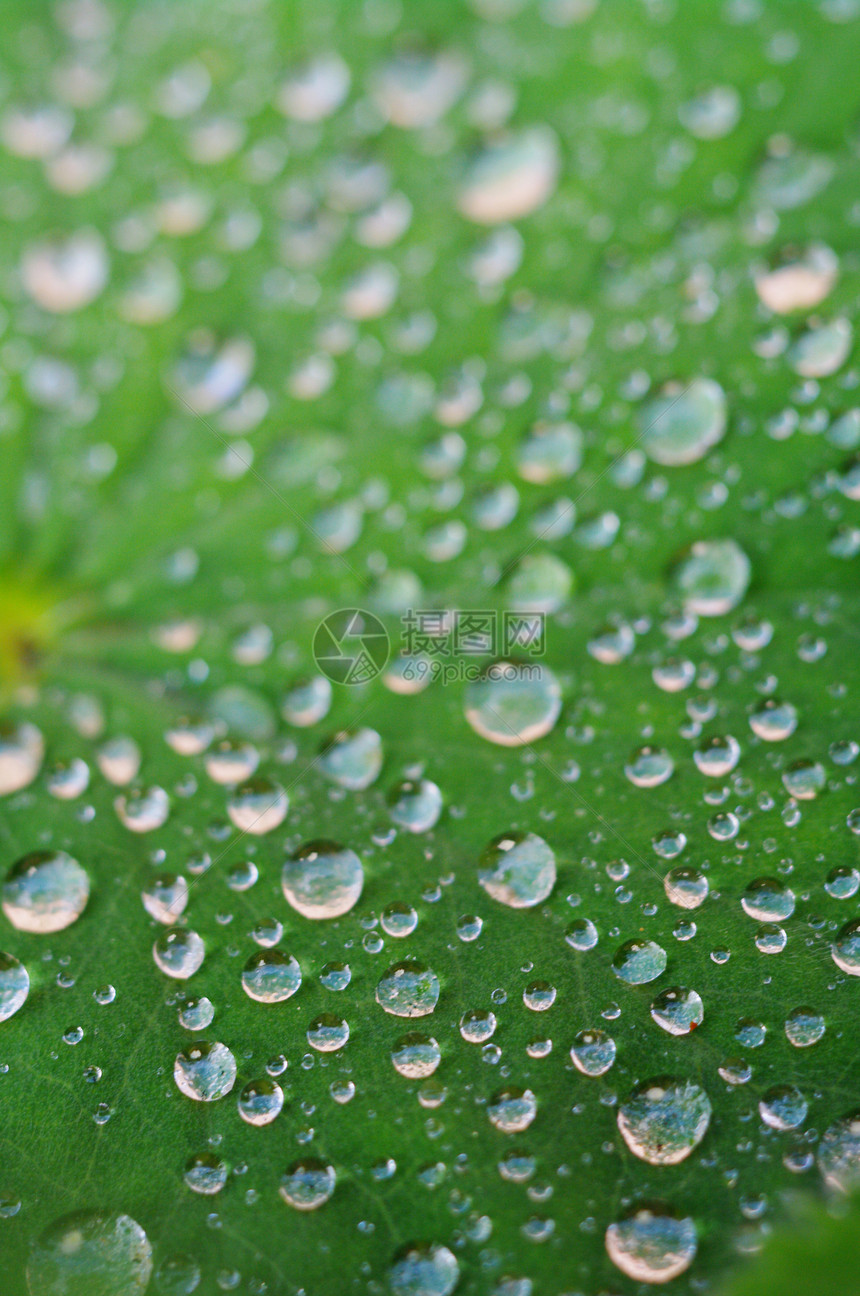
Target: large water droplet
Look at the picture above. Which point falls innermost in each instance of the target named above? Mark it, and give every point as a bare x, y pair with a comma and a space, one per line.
408, 989
664, 1119
518, 870
14, 985
45, 892
512, 703
90, 1254
205, 1071
424, 1269
322, 879
652, 1245
684, 422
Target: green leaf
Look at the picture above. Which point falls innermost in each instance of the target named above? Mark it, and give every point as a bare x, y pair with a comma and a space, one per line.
486, 315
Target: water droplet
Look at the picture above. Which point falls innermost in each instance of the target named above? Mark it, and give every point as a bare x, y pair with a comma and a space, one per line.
352, 759
639, 961
684, 422
839, 1154
717, 756
196, 1014
415, 805
652, 1245
713, 578
22, 749
205, 1174
424, 1269
686, 887
649, 767
783, 1107
165, 898
308, 1184
143, 809
45, 892
416, 1056
846, 948
327, 1033
664, 1120
581, 934
510, 177
804, 1027
593, 1052
93, 1253
408, 989
205, 1071
398, 920
804, 779
512, 703
14, 985
66, 274
258, 806
768, 900
322, 879
518, 870
512, 1110
271, 976
260, 1102
678, 1010
179, 953
550, 452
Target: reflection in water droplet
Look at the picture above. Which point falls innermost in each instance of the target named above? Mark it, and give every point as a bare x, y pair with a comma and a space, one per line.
352, 759
143, 809
518, 870
271, 976
415, 805
510, 177
593, 1052
408, 989
804, 1027
686, 887
774, 721
839, 1154
67, 274
327, 1033
45, 892
639, 961
260, 1102
322, 879
90, 1254
21, 751
179, 953
205, 1173
205, 1071
258, 806
713, 578
512, 1110
423, 1269
652, 1244
416, 1056
678, 1010
684, 422
165, 898
768, 900
307, 701
649, 767
14, 985
783, 1107
664, 1119
308, 1184
512, 703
